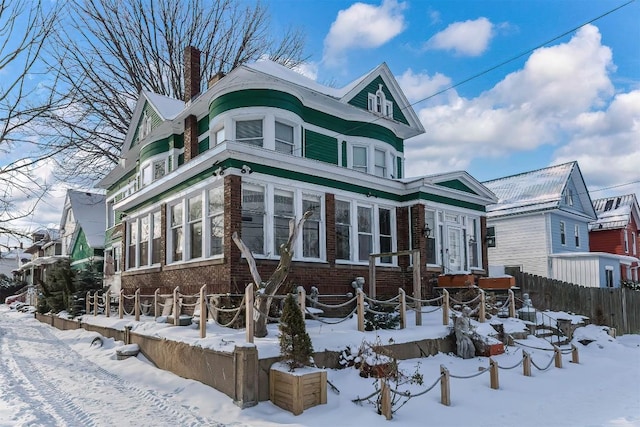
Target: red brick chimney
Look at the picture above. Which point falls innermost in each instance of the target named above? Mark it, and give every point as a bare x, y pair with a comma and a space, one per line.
191, 90
191, 73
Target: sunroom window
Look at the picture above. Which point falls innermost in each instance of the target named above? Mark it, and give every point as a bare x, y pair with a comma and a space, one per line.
343, 230
311, 228
216, 221
177, 236
143, 248
250, 132
386, 240
283, 213
156, 238
365, 233
195, 226
253, 212
284, 138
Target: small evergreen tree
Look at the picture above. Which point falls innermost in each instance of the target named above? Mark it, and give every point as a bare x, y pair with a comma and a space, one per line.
87, 279
58, 290
295, 344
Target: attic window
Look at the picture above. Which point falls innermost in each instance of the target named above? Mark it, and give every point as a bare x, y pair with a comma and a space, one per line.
145, 126
378, 103
568, 197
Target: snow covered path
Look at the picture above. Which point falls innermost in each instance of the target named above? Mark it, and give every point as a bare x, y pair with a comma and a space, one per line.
47, 383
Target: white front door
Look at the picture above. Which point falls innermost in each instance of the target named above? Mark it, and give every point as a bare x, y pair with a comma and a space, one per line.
454, 252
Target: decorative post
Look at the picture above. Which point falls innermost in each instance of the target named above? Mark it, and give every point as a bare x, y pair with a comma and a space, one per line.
557, 355
156, 304
445, 307
176, 307
136, 301
249, 300
403, 309
493, 372
526, 364
88, 302
203, 312
107, 302
481, 313
360, 302
302, 300
121, 304
445, 391
512, 304
417, 287
575, 357
95, 303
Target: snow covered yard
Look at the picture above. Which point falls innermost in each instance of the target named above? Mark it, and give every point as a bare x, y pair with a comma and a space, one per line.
50, 377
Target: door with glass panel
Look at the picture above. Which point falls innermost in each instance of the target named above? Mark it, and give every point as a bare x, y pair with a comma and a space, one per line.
454, 252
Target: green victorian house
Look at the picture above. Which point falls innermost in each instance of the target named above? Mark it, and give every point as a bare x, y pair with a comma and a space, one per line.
261, 146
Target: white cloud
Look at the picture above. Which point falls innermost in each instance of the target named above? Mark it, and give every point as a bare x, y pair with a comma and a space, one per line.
422, 85
363, 26
468, 38
563, 97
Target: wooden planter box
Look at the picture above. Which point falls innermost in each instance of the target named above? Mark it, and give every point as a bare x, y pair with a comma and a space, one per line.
493, 350
496, 282
298, 390
455, 280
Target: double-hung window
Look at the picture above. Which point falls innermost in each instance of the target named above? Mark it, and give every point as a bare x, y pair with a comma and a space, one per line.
380, 163
365, 232
386, 240
156, 238
284, 138
311, 228
249, 132
360, 159
284, 212
143, 247
195, 227
576, 233
343, 230
474, 258
563, 234
133, 238
216, 221
626, 241
177, 235
253, 212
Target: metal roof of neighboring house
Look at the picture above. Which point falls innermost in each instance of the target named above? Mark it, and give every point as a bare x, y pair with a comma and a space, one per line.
615, 212
89, 210
537, 190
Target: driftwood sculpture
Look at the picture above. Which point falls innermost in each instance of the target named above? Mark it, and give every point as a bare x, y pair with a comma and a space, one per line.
269, 288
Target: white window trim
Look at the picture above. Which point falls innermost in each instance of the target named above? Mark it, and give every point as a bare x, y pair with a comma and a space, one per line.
626, 241
562, 229
576, 235
633, 243
351, 162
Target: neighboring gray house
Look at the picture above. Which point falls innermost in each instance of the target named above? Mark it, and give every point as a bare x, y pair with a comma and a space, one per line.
539, 214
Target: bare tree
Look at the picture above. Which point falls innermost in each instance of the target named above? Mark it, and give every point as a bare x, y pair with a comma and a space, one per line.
25, 27
110, 50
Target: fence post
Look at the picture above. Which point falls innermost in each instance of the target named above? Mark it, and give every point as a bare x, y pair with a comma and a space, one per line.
417, 287
249, 300
176, 307
481, 313
203, 312
526, 364
445, 391
302, 300
493, 373
136, 301
360, 309
575, 357
156, 303
403, 308
107, 303
88, 302
557, 355
121, 304
385, 399
445, 307
95, 303
512, 304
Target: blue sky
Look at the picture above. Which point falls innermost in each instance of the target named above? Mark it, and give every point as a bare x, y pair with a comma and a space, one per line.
576, 98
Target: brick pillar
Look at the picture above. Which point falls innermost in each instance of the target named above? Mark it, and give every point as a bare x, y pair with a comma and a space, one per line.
402, 231
330, 220
191, 73
190, 137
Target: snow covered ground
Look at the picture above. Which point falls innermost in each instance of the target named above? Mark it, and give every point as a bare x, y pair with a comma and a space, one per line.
65, 378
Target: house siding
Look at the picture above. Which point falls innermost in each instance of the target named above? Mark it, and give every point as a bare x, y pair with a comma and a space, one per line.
556, 243
321, 147
361, 100
525, 232
584, 272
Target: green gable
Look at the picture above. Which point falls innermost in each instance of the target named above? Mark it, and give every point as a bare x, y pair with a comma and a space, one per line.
361, 100
456, 185
81, 249
147, 111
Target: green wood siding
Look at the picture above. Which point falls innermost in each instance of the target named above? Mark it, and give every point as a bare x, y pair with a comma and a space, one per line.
153, 148
344, 154
81, 248
203, 145
203, 125
285, 101
155, 121
399, 166
321, 147
361, 100
456, 185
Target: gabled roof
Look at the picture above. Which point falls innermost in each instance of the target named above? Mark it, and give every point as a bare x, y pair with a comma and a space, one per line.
615, 212
89, 211
460, 181
539, 190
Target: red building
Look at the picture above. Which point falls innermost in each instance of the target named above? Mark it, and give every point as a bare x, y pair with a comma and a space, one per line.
617, 231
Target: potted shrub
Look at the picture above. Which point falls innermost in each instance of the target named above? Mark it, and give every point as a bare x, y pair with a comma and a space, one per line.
294, 384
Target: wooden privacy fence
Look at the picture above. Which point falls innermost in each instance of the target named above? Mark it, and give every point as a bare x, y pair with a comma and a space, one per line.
613, 307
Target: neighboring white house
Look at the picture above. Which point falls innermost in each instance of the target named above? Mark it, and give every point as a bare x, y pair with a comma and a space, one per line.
11, 261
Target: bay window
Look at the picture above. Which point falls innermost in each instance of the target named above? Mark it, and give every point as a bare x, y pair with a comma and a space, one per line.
249, 132
380, 163
284, 138
360, 159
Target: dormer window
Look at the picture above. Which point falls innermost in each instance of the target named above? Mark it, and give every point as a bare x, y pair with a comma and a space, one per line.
378, 103
145, 126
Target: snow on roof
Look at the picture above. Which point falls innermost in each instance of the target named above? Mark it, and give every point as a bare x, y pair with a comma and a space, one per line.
168, 108
529, 191
89, 211
276, 70
613, 212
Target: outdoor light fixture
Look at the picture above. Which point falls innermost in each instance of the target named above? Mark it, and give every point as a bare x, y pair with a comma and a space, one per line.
246, 169
427, 231
218, 172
